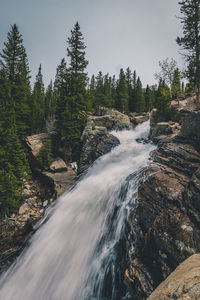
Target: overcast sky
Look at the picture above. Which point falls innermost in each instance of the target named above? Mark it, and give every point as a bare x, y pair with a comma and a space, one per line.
118, 33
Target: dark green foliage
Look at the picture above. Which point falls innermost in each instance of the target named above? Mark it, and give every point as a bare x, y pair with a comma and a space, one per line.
163, 102
38, 103
139, 98
50, 107
13, 165
102, 91
190, 42
126, 94
149, 98
72, 97
122, 96
14, 62
45, 156
176, 85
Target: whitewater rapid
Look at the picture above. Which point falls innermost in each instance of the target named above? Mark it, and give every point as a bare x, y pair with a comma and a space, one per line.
74, 253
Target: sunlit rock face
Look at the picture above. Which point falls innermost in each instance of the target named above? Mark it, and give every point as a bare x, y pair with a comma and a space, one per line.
183, 283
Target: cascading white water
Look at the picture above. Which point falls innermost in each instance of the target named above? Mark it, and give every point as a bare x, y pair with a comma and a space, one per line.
74, 253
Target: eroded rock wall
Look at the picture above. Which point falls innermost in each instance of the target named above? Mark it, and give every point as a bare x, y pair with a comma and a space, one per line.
166, 222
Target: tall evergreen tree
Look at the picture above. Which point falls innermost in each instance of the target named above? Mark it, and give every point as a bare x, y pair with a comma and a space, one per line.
132, 103
13, 166
149, 98
15, 63
99, 91
73, 96
122, 98
38, 103
139, 98
176, 85
107, 89
163, 102
50, 107
190, 42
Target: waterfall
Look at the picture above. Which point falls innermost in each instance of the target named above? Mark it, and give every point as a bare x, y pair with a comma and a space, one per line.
76, 254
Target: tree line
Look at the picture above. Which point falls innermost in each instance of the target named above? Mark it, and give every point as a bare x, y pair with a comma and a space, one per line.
64, 105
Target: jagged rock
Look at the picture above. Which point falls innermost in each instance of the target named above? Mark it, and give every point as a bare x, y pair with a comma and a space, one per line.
166, 220
138, 119
190, 121
34, 144
161, 128
153, 117
96, 142
183, 283
58, 166
16, 230
61, 180
111, 119
59, 177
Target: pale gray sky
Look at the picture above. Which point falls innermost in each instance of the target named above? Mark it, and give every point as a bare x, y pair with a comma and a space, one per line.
118, 33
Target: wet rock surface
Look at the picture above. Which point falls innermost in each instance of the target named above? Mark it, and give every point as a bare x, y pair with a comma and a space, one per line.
165, 226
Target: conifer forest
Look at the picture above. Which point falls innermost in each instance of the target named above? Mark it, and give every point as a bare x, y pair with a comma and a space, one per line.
130, 213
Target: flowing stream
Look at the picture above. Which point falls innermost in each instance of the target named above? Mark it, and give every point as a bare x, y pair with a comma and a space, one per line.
77, 254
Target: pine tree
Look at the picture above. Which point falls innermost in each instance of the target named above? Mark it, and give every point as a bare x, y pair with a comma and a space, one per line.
190, 42
139, 98
163, 102
61, 91
13, 165
14, 62
50, 107
130, 87
121, 102
176, 85
107, 89
38, 103
99, 91
78, 63
133, 93
149, 98
72, 97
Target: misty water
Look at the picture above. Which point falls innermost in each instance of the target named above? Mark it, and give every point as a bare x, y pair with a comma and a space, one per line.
75, 254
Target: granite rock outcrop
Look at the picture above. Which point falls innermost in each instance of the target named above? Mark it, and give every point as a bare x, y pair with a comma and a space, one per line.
165, 224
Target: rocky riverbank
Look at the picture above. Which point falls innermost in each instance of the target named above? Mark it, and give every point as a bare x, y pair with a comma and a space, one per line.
49, 183
166, 220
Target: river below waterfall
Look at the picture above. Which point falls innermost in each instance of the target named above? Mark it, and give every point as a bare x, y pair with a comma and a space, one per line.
77, 254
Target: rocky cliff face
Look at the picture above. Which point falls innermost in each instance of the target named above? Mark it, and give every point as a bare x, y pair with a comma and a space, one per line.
166, 220
96, 141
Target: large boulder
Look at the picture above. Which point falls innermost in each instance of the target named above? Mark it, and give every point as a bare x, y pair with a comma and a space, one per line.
111, 119
34, 145
61, 176
161, 128
96, 141
58, 176
137, 119
190, 125
183, 283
